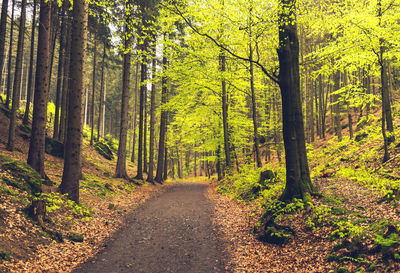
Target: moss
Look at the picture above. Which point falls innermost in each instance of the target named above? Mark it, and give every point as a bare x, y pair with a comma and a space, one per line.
342, 269
7, 191
338, 210
75, 237
104, 150
372, 267
25, 178
5, 255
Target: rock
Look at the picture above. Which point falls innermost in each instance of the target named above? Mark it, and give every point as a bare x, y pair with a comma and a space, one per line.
75, 237
54, 147
104, 150
24, 177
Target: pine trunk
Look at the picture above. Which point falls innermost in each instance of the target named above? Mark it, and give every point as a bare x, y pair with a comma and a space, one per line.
17, 78
73, 140
3, 28
36, 153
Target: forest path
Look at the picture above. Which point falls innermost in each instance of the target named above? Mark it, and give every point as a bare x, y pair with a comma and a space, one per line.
169, 233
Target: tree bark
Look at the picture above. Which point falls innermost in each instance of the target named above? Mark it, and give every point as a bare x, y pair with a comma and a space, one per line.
73, 140
56, 130
93, 89
10, 49
25, 120
150, 176
120, 171
161, 161
36, 153
66, 79
17, 78
99, 124
298, 181
336, 108
135, 112
143, 79
3, 29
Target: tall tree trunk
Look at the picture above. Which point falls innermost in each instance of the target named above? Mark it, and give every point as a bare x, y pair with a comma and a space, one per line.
17, 78
56, 130
227, 144
3, 29
66, 79
336, 108
298, 180
165, 174
254, 109
93, 89
25, 120
145, 132
73, 140
161, 161
10, 49
135, 112
99, 125
53, 38
152, 119
120, 171
36, 147
143, 79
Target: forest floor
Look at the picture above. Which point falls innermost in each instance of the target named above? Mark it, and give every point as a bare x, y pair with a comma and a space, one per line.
105, 204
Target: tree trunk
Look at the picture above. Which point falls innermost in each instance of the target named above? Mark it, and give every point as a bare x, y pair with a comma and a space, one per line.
143, 79
150, 176
66, 79
145, 132
336, 108
25, 120
93, 89
161, 161
9, 87
298, 181
17, 78
165, 174
56, 130
99, 125
227, 144
135, 112
36, 153
120, 171
3, 29
73, 140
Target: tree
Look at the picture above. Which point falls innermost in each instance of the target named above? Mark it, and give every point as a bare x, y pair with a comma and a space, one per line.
162, 150
121, 161
60, 73
25, 120
17, 78
73, 140
3, 27
36, 152
10, 50
150, 176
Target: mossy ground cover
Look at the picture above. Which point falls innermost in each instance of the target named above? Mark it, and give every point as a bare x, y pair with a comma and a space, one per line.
356, 212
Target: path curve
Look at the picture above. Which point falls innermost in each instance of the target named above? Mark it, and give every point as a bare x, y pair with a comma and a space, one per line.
169, 233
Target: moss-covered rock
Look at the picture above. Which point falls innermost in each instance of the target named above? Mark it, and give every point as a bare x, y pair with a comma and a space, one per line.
23, 176
54, 147
104, 150
76, 237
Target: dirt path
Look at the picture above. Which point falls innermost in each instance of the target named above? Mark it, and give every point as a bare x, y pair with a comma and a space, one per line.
169, 233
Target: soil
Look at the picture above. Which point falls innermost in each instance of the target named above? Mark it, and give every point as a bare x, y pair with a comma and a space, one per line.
172, 232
